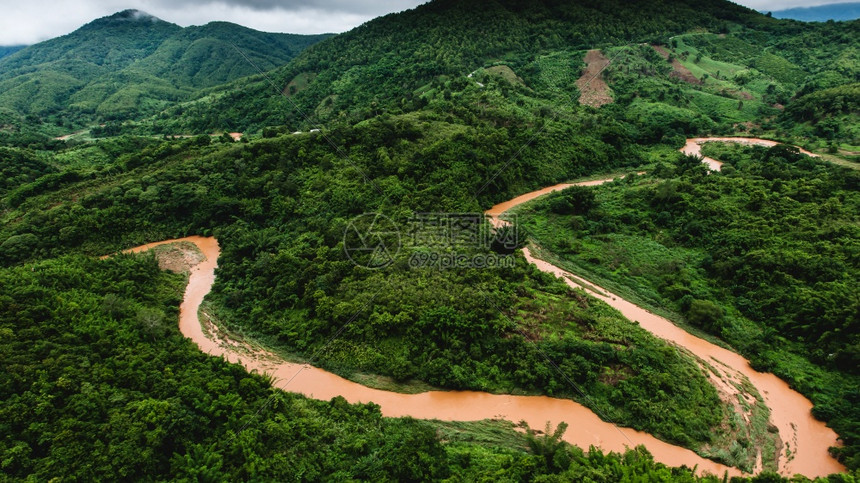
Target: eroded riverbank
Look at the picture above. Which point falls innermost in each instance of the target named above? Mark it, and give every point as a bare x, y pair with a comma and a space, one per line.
790, 411
586, 428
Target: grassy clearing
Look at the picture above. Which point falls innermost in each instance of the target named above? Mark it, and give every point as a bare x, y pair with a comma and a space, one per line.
299, 83
559, 70
506, 73
385, 383
725, 108
628, 293
498, 433
747, 432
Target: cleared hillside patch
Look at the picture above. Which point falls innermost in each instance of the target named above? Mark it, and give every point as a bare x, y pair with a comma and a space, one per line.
678, 70
299, 83
506, 73
593, 89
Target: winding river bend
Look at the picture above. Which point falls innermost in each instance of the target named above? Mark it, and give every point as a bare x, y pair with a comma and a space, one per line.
694, 147
790, 411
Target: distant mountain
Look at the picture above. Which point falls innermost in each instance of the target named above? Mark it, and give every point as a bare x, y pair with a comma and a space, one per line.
821, 13
9, 49
132, 62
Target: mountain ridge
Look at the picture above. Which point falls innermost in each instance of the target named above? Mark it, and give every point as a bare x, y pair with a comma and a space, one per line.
124, 16
119, 63
389, 57
471, 36
10, 49
821, 13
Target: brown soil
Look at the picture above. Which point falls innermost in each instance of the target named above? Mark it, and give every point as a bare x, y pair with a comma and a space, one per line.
678, 70
742, 95
178, 257
594, 91
736, 391
67, 136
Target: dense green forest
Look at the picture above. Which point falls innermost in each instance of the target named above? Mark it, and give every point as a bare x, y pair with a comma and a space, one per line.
762, 255
380, 72
100, 385
131, 64
9, 50
369, 66
281, 219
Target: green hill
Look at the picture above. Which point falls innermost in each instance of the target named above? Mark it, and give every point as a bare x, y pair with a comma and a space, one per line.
447, 108
132, 63
398, 61
386, 60
9, 50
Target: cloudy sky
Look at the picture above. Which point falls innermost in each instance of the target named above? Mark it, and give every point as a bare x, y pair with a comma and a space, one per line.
31, 21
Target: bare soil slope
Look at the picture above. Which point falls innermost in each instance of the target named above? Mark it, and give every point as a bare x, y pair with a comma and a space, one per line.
594, 90
678, 70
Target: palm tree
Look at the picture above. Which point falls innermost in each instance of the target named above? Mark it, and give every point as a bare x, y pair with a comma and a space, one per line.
548, 444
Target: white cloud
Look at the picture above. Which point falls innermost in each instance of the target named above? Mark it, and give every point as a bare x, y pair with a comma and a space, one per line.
28, 22
773, 5
304, 21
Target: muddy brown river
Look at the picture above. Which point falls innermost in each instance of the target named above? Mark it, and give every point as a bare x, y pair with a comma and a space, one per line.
694, 146
790, 411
